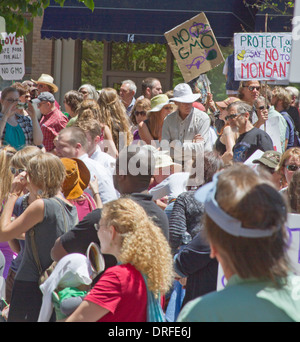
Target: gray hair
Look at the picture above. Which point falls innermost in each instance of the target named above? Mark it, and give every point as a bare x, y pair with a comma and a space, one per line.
293, 91
93, 94
132, 85
242, 108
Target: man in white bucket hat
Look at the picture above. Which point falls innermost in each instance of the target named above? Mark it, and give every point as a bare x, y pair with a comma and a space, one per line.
187, 125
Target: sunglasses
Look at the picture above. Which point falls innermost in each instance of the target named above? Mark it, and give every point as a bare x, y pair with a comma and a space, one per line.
251, 88
15, 171
263, 107
292, 168
232, 116
140, 113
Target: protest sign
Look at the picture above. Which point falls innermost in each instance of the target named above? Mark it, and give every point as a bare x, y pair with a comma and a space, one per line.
262, 56
194, 47
12, 66
293, 226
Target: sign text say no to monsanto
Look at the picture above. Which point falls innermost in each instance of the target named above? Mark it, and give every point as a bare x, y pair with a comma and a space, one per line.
262, 56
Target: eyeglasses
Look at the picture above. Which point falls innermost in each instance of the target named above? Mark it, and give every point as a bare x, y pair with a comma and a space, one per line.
136, 113
15, 171
292, 168
251, 88
232, 116
12, 100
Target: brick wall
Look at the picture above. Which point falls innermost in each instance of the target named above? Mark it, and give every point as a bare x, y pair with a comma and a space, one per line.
42, 52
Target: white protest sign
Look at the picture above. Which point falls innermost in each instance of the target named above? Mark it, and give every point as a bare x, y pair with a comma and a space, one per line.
272, 128
293, 226
293, 230
12, 66
295, 54
262, 56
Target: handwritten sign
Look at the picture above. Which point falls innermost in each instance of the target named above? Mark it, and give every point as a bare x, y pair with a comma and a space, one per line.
262, 56
293, 251
195, 47
12, 66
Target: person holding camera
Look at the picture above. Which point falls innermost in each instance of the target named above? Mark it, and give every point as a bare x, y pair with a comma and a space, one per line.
18, 130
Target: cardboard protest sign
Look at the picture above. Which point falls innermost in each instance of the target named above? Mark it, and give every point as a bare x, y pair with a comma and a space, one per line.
195, 47
12, 66
262, 56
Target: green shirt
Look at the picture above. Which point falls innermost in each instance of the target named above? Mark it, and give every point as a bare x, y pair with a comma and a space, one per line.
247, 300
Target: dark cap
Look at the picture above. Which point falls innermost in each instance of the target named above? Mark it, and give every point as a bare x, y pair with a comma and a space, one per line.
269, 158
46, 96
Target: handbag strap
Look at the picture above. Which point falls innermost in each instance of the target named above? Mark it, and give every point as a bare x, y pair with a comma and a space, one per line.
33, 244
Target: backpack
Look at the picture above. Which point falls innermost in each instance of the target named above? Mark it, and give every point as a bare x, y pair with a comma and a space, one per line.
291, 125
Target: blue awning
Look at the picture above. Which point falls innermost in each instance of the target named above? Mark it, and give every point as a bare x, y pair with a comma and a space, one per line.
142, 20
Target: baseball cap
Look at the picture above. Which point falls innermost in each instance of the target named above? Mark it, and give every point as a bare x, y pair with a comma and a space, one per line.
45, 96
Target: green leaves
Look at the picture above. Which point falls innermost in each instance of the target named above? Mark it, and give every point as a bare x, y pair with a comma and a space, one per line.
18, 14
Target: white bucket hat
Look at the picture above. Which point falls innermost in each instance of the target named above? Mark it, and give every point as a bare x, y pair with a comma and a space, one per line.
183, 93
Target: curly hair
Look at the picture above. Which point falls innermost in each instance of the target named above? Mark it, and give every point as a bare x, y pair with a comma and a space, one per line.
88, 109
144, 245
113, 114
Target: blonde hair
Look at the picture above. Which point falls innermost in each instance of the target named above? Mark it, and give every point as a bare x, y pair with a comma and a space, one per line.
256, 203
291, 152
6, 154
144, 245
47, 172
88, 109
22, 157
283, 95
113, 114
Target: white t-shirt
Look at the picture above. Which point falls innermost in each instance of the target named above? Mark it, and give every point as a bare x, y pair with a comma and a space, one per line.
104, 159
107, 190
172, 186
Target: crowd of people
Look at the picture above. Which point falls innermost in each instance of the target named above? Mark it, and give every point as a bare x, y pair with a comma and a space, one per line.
119, 208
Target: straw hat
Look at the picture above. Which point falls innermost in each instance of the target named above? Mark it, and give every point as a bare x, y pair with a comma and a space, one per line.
77, 178
183, 93
48, 80
158, 102
227, 102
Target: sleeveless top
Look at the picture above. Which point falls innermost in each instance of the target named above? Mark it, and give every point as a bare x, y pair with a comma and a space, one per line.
14, 136
147, 122
219, 146
45, 234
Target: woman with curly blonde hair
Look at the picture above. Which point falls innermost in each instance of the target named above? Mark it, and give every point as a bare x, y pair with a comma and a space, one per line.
113, 114
144, 264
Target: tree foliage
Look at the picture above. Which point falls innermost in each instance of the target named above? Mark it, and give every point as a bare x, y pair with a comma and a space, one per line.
18, 14
278, 6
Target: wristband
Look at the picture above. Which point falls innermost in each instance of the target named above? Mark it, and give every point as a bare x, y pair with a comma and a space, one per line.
96, 193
